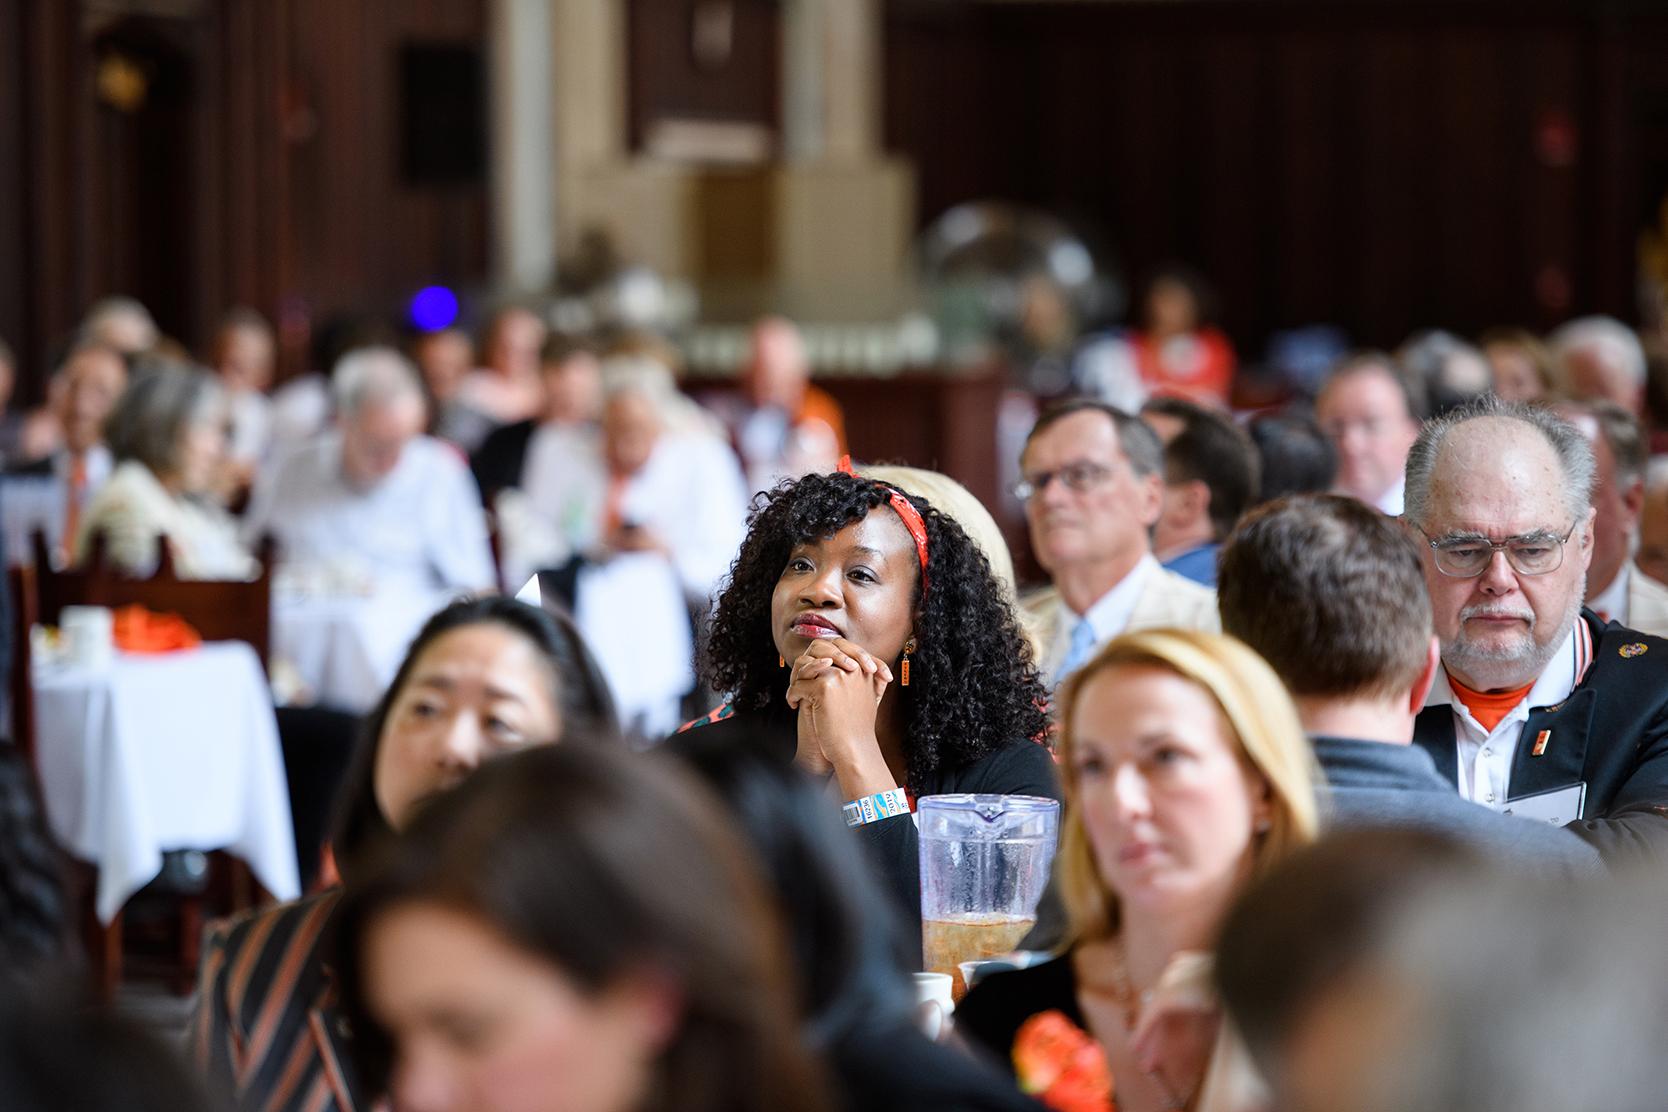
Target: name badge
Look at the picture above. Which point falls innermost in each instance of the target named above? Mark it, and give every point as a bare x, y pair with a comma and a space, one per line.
1558, 806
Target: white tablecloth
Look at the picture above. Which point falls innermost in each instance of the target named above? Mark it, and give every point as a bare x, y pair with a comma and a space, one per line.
347, 649
161, 752
632, 614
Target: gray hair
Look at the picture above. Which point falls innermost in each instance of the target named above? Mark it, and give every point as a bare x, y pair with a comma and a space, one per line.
160, 403
107, 309
1451, 372
1137, 438
371, 376
1621, 431
652, 379
1619, 343
634, 374
1575, 455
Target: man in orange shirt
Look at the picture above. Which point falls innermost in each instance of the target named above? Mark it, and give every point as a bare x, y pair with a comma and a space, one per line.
785, 427
1535, 697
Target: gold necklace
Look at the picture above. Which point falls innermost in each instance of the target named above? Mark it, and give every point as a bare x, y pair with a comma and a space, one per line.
1122, 989
1130, 1002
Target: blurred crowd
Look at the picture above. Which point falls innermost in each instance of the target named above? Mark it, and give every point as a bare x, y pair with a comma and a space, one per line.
1352, 684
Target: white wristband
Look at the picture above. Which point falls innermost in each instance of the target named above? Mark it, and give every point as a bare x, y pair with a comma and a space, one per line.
873, 808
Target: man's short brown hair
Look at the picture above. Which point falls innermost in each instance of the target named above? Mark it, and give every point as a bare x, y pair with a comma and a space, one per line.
1331, 593
1210, 449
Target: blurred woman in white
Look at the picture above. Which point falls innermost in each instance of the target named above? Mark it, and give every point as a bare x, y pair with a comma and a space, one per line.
168, 436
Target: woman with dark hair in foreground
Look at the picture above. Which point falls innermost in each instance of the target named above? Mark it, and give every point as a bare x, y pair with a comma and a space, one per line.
575, 929
485, 677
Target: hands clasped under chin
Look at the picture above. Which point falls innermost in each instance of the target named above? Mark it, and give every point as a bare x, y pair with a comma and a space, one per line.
836, 686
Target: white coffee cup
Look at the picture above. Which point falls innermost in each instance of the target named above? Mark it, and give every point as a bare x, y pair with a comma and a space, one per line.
88, 635
933, 1003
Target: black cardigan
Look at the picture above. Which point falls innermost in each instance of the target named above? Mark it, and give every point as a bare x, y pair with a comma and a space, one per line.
499, 461
1019, 767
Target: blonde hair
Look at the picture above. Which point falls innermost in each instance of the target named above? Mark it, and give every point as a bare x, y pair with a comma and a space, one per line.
1262, 719
958, 503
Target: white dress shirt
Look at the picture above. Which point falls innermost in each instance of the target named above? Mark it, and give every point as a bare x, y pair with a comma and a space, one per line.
30, 501
690, 494
1108, 616
420, 527
564, 479
251, 431
1390, 502
1485, 756
1611, 604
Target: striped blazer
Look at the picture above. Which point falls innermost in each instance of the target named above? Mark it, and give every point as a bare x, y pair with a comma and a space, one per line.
266, 1031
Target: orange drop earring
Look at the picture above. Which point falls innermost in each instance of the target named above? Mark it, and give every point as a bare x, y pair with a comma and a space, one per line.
903, 671
780, 663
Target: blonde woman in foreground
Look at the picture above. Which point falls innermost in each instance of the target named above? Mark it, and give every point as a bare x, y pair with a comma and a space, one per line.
1187, 775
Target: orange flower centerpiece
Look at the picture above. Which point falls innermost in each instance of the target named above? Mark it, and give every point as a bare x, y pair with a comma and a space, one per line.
1062, 1065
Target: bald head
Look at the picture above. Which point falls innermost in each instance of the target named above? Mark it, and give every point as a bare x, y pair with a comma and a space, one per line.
777, 372
1491, 423
1497, 463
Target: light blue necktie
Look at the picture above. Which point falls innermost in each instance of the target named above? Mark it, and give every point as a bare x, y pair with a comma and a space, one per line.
1082, 647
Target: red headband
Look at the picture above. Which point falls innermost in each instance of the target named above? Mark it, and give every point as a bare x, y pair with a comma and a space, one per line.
907, 513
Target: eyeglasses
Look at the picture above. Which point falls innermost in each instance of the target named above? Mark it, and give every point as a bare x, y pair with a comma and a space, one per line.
1530, 554
1078, 477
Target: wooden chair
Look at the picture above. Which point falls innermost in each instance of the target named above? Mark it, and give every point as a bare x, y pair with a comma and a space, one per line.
220, 611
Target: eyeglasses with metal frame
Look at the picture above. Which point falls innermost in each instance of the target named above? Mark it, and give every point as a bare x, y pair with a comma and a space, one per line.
1078, 477
1468, 555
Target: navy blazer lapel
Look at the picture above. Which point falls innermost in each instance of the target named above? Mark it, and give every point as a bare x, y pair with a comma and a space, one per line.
1563, 748
1433, 731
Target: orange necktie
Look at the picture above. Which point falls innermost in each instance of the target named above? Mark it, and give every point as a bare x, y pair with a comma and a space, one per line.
72, 507
613, 507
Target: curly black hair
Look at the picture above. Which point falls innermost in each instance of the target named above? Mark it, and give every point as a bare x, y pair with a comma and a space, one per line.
974, 684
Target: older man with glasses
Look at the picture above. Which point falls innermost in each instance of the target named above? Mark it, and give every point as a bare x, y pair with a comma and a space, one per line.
1092, 483
1539, 709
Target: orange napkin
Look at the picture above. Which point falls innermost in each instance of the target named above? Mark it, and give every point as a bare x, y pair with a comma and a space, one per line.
138, 630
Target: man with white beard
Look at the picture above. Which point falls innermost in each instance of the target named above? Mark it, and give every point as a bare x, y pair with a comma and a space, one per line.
1539, 709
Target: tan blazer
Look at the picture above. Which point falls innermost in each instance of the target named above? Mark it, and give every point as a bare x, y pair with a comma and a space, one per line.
132, 509
1647, 604
1168, 601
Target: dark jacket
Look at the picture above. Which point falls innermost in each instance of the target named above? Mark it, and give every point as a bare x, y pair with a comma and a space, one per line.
1611, 733
1020, 767
1372, 783
266, 1030
499, 460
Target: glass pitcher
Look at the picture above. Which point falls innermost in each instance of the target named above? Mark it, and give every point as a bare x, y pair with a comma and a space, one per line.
984, 863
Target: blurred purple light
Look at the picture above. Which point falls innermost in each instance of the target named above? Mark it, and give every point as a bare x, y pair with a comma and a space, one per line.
434, 308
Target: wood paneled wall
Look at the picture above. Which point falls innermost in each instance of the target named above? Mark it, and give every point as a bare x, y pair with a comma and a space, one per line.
1382, 165
274, 182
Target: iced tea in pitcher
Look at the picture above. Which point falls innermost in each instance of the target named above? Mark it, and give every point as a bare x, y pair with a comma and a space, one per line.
984, 864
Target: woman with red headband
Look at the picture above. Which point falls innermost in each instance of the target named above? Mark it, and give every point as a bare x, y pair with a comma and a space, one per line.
862, 632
